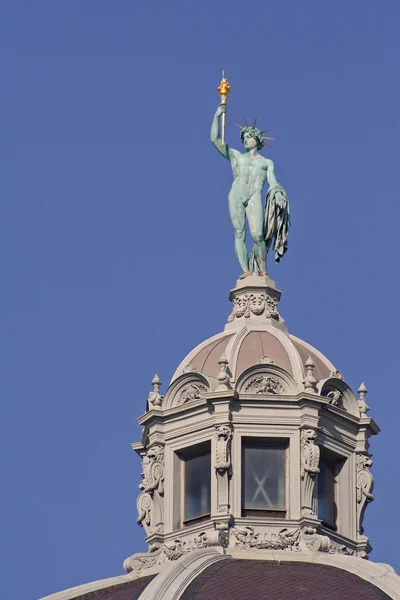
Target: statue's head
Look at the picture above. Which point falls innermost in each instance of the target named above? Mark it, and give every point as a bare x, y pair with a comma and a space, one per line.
252, 137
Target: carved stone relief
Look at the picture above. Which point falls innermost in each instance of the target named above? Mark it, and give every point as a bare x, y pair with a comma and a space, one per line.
309, 453
150, 502
282, 540
264, 385
365, 486
265, 360
257, 304
191, 392
223, 435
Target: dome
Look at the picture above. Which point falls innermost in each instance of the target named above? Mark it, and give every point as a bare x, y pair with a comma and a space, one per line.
203, 576
255, 334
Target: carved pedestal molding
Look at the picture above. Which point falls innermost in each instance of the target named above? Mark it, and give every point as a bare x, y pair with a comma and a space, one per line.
223, 468
309, 456
150, 502
255, 297
363, 406
365, 486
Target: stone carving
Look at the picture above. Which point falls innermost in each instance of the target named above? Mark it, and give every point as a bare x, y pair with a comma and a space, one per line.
155, 397
336, 374
144, 509
341, 549
309, 453
223, 435
153, 470
139, 562
150, 502
191, 392
365, 486
189, 368
263, 384
335, 397
180, 547
265, 360
362, 405
283, 540
224, 375
258, 304
309, 381
313, 541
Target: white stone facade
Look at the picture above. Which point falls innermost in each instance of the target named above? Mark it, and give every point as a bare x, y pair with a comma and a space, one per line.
289, 393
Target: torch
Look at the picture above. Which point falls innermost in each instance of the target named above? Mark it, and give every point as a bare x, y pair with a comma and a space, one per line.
223, 90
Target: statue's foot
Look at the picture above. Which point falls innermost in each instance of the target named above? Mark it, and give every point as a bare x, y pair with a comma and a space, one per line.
244, 274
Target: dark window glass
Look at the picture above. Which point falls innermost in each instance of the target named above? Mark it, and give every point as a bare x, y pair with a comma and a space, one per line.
329, 467
263, 476
197, 485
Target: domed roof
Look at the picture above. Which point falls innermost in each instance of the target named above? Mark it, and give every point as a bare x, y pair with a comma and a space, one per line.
230, 578
248, 579
255, 334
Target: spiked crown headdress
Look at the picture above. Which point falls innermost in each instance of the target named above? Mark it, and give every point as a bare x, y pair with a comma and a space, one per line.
253, 131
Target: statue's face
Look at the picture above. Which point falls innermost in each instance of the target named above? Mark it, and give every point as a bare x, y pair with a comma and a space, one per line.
249, 142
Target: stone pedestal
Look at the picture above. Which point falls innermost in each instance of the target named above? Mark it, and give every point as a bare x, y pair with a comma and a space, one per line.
255, 300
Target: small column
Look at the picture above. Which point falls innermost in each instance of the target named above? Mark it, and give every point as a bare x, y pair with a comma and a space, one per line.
223, 469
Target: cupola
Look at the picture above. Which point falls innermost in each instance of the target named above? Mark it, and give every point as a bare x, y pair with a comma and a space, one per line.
258, 443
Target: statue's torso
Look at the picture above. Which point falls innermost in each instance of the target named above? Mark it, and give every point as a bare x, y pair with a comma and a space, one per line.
249, 174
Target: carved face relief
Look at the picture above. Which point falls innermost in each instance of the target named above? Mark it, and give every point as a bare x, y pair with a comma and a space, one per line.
223, 432
156, 453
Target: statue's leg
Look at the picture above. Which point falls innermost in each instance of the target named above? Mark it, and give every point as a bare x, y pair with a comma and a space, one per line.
238, 216
254, 212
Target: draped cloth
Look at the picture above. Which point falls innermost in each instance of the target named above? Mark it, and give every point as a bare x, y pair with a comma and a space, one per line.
277, 221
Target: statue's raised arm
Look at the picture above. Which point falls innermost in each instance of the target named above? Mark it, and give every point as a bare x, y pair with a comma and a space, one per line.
216, 140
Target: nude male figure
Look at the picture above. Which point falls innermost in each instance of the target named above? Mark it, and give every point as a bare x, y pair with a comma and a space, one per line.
250, 172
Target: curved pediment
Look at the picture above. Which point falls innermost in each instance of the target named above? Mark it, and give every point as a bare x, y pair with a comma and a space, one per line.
340, 395
266, 380
187, 388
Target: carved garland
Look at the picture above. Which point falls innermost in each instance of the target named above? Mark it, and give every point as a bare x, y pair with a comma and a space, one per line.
257, 304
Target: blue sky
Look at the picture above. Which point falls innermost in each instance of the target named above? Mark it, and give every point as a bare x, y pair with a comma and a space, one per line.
117, 250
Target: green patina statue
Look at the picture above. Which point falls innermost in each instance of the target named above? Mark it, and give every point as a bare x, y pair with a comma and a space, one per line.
250, 172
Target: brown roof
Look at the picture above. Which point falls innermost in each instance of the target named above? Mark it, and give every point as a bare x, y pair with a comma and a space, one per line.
124, 591
261, 580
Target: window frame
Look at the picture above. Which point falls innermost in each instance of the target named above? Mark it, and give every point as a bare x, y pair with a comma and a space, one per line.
335, 463
264, 441
184, 455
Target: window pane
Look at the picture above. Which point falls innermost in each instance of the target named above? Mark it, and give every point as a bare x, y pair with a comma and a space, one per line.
197, 498
264, 478
326, 492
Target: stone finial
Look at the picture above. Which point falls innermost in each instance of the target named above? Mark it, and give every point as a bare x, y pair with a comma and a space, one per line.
310, 383
155, 397
223, 376
362, 405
